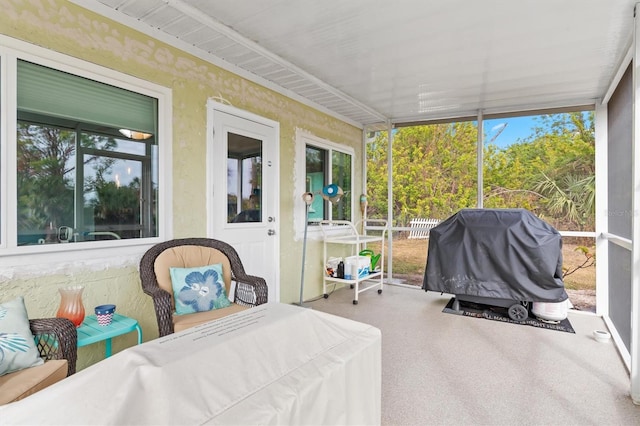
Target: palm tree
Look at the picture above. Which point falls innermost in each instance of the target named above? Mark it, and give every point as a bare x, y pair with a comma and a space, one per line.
571, 197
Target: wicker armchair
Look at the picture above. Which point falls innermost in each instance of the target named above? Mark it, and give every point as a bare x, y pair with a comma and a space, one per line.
56, 338
190, 252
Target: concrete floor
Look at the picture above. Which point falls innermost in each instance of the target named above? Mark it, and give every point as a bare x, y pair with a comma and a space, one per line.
443, 369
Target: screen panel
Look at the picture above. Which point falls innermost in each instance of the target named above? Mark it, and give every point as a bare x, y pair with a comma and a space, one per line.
619, 203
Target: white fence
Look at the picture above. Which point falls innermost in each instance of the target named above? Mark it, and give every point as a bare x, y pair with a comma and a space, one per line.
420, 228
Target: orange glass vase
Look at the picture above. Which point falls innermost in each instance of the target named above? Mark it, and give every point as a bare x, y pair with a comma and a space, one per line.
71, 306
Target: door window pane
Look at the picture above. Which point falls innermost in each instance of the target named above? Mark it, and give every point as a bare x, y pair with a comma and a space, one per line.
244, 179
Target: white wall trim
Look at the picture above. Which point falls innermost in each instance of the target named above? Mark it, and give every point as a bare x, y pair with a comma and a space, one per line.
601, 219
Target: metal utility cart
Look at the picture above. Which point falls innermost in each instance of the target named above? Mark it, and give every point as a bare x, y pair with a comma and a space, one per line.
502, 257
343, 232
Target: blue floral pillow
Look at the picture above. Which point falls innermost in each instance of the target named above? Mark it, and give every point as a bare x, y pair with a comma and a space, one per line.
198, 289
17, 347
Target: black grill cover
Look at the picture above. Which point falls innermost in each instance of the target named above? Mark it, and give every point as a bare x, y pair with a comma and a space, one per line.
497, 253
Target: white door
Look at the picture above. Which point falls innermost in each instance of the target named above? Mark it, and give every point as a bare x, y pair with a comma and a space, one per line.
243, 188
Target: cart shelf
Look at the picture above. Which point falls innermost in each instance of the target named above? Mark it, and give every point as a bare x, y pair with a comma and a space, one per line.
342, 232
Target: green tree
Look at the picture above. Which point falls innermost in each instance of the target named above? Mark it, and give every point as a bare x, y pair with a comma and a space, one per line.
377, 176
117, 204
550, 173
568, 189
46, 176
433, 171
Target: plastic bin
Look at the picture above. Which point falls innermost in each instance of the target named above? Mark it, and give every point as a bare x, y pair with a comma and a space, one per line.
356, 267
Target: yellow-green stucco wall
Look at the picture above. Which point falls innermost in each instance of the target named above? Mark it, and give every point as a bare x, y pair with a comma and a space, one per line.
66, 28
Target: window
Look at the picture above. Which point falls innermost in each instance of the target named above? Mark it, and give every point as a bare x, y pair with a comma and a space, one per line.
326, 166
87, 160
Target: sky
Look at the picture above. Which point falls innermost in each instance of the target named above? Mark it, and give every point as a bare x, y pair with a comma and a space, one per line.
512, 129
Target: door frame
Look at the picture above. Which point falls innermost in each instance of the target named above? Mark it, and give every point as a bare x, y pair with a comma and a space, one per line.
214, 106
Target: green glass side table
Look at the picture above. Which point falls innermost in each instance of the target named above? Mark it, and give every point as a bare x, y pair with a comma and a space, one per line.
91, 332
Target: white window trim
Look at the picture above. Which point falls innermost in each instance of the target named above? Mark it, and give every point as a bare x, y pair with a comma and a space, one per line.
304, 138
31, 260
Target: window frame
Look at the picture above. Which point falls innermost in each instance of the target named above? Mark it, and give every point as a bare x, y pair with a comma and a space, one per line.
11, 51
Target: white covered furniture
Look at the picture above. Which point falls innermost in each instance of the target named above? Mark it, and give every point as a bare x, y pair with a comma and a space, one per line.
273, 364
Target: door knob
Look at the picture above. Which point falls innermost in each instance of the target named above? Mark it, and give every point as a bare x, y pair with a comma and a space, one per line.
271, 219
271, 232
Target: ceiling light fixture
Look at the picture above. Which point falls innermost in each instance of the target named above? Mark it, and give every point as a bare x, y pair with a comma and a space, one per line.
132, 134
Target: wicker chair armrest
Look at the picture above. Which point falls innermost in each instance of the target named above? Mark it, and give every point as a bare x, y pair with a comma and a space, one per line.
251, 290
159, 294
56, 338
163, 304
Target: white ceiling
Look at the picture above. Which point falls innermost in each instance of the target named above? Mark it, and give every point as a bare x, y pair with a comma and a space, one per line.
369, 61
